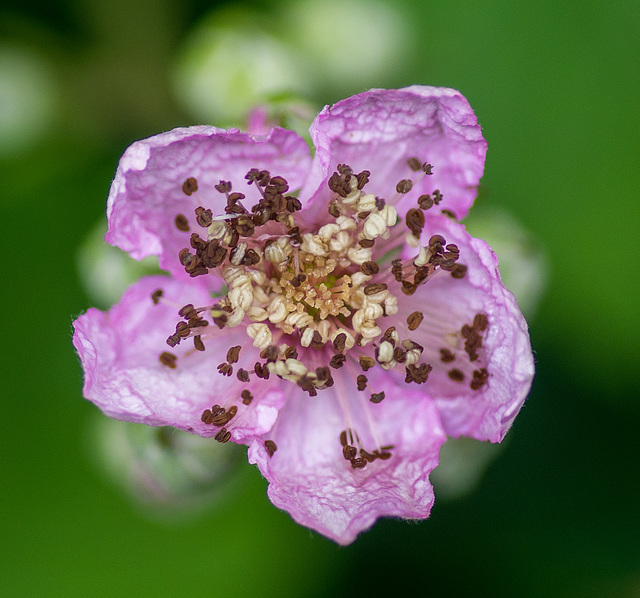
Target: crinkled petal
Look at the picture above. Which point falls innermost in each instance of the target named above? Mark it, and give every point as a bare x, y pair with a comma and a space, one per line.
379, 130
146, 194
310, 479
120, 350
448, 304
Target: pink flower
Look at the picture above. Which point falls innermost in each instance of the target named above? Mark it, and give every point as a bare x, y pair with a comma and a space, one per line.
329, 312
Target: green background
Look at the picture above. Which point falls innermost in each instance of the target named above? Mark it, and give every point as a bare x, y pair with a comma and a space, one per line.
556, 86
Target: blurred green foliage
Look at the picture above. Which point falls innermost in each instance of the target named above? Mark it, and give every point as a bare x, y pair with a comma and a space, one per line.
556, 88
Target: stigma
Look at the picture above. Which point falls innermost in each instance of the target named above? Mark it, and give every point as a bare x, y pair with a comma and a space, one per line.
318, 296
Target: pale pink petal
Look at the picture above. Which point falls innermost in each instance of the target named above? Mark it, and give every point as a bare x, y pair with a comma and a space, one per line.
310, 479
448, 304
120, 349
146, 194
379, 130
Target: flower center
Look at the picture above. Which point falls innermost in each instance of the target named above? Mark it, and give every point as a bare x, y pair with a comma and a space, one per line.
314, 299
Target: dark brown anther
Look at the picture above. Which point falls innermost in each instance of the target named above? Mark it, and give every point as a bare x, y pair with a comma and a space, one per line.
197, 242
456, 375
384, 455
446, 356
417, 373
181, 223
322, 373
173, 340
270, 353
223, 435
437, 240
366, 362
480, 322
449, 214
233, 354
206, 417
316, 340
377, 397
349, 452
339, 342
415, 221
363, 215
480, 377
262, 371
427, 168
251, 257
359, 339
437, 197
337, 361
190, 186
343, 438
414, 164
467, 331
293, 204
425, 202
452, 248
400, 354
184, 310
333, 209
221, 417
408, 288
242, 375
404, 186
225, 369
246, 397
415, 319
244, 226
198, 271
185, 257
232, 238
223, 186
197, 343
459, 271
380, 202
388, 335
366, 243
358, 463
271, 447
182, 329
372, 289
396, 269
156, 295
363, 179
370, 268
291, 353
361, 381
370, 457
204, 217
217, 410
168, 359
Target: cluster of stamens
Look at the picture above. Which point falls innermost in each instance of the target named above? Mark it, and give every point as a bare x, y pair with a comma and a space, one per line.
314, 301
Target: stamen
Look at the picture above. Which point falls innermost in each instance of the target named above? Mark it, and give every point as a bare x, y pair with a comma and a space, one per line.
181, 223
156, 296
271, 447
190, 186
377, 397
168, 359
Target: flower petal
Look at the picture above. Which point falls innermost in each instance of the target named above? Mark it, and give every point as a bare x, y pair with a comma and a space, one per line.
310, 478
379, 130
447, 305
146, 194
120, 349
